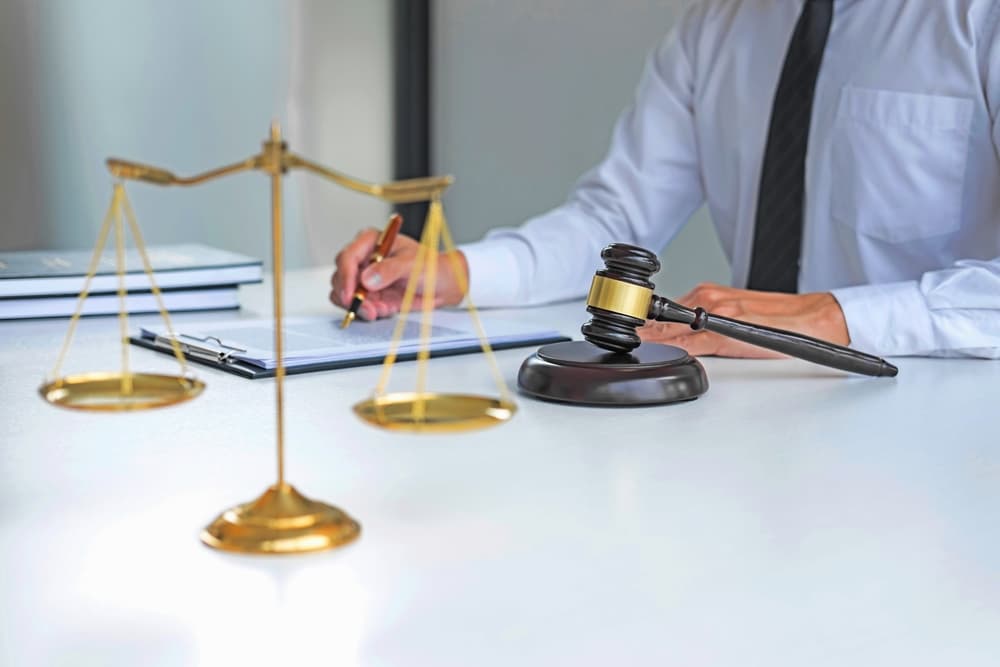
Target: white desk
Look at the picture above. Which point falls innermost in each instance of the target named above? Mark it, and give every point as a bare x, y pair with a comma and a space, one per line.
791, 516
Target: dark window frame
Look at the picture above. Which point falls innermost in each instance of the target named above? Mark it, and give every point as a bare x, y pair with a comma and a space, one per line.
411, 102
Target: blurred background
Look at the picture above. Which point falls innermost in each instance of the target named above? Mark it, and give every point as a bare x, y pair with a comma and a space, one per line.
523, 95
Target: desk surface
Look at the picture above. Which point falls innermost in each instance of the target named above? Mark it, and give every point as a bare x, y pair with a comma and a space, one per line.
791, 516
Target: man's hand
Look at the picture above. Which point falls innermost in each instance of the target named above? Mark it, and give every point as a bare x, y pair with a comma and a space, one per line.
817, 315
386, 282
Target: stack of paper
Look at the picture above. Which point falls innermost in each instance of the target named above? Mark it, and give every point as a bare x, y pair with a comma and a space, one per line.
191, 277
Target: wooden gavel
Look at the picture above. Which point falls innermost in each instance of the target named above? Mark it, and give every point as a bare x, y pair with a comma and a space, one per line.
621, 299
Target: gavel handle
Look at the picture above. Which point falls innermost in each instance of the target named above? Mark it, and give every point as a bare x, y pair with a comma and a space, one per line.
779, 340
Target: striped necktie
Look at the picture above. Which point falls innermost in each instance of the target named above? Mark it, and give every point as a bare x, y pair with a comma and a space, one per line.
777, 243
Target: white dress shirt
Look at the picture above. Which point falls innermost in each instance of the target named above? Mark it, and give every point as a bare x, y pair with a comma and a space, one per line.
902, 212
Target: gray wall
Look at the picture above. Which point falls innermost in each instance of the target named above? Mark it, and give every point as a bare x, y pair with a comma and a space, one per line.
526, 93
189, 85
340, 109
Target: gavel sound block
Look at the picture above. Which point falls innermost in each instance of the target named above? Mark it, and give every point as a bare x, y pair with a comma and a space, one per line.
612, 366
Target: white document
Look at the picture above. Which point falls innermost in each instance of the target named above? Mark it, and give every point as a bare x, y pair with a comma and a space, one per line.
318, 340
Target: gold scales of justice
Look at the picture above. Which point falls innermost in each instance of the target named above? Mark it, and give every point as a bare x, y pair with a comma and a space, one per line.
282, 520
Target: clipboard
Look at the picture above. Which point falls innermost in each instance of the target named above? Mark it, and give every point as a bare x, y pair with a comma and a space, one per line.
213, 352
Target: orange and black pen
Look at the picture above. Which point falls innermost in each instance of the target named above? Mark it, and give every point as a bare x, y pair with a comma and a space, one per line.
382, 249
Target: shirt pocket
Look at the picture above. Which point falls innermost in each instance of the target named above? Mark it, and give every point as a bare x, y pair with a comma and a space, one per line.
899, 162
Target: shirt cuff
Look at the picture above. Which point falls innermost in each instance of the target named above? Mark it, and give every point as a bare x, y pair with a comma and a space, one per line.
890, 319
494, 274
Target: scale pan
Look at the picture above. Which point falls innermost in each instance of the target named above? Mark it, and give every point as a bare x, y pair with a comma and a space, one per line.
434, 413
102, 392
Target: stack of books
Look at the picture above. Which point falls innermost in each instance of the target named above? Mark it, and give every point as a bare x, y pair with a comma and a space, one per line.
40, 283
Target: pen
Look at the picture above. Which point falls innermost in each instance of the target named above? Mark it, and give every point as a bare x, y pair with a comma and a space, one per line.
382, 249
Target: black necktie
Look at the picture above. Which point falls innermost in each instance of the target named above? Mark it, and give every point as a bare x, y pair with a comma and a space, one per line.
777, 242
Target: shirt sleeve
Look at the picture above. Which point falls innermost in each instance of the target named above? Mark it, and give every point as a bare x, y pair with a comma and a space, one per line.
643, 192
952, 312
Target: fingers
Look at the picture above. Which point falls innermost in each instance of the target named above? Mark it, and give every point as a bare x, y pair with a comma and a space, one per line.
344, 280
707, 343
388, 303
698, 344
694, 342
739, 303
388, 272
702, 293
385, 303
660, 332
711, 295
368, 310
385, 282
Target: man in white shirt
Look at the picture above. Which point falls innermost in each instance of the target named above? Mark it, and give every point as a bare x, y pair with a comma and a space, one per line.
849, 154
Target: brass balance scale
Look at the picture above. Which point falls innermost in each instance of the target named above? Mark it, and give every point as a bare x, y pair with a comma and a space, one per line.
282, 520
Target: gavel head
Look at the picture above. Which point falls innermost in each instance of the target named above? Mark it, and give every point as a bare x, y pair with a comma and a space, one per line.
619, 297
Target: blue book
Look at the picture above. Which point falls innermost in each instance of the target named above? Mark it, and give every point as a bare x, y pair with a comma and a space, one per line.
39, 273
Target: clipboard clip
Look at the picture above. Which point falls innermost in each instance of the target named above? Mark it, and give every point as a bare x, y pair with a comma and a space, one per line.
197, 351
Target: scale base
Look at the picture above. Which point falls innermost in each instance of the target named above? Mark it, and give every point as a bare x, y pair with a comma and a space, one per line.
582, 373
109, 392
281, 521
434, 413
